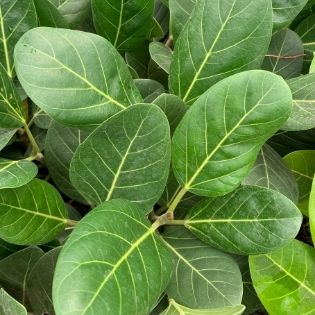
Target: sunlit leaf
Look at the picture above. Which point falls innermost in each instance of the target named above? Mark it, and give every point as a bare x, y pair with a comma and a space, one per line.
8, 305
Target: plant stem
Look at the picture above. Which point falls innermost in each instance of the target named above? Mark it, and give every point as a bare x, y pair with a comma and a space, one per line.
36, 152
72, 222
177, 200
176, 222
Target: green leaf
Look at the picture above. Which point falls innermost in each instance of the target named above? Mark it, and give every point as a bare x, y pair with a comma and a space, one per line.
16, 173
126, 24
161, 55
40, 118
14, 271
203, 277
149, 89
39, 282
173, 107
177, 309
138, 60
5, 136
73, 11
303, 114
180, 11
126, 157
11, 115
31, 214
61, 143
312, 211
284, 12
285, 54
6, 249
249, 221
216, 43
48, 14
217, 142
156, 32
271, 172
302, 164
122, 267
16, 17
284, 279
71, 86
8, 305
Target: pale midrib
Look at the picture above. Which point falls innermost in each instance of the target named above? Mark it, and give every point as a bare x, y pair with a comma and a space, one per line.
5, 46
47, 216
120, 23
266, 168
192, 222
93, 87
291, 276
21, 118
118, 264
208, 55
8, 165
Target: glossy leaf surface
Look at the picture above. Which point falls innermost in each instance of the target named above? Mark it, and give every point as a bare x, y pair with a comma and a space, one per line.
216, 32
31, 214
219, 138
82, 87
251, 220
126, 157
122, 266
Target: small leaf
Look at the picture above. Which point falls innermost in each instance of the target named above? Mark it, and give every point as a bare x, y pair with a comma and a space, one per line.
14, 271
312, 211
271, 172
71, 86
216, 43
302, 165
16, 17
8, 305
112, 263
16, 173
203, 277
284, 279
61, 143
149, 89
285, 54
249, 221
126, 24
219, 138
5, 136
284, 12
126, 157
6, 249
173, 107
11, 115
303, 113
177, 309
40, 118
31, 214
161, 55
39, 283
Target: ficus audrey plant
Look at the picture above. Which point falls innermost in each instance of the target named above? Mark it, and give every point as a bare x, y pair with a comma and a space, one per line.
157, 157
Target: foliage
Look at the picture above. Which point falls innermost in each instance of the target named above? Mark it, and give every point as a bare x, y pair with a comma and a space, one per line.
157, 157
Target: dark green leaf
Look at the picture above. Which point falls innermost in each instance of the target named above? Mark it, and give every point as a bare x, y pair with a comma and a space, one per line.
126, 157
112, 263
5, 136
216, 43
284, 279
249, 221
126, 24
16, 173
203, 277
8, 305
271, 172
139, 59
312, 211
6, 249
149, 89
31, 214
61, 143
14, 271
217, 142
74, 87
40, 118
285, 54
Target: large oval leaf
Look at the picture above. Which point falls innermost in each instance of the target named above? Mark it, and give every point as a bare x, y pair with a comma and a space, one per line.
219, 138
217, 43
271, 172
31, 214
251, 220
16, 17
203, 277
126, 157
71, 85
61, 143
284, 279
126, 24
16, 173
113, 263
